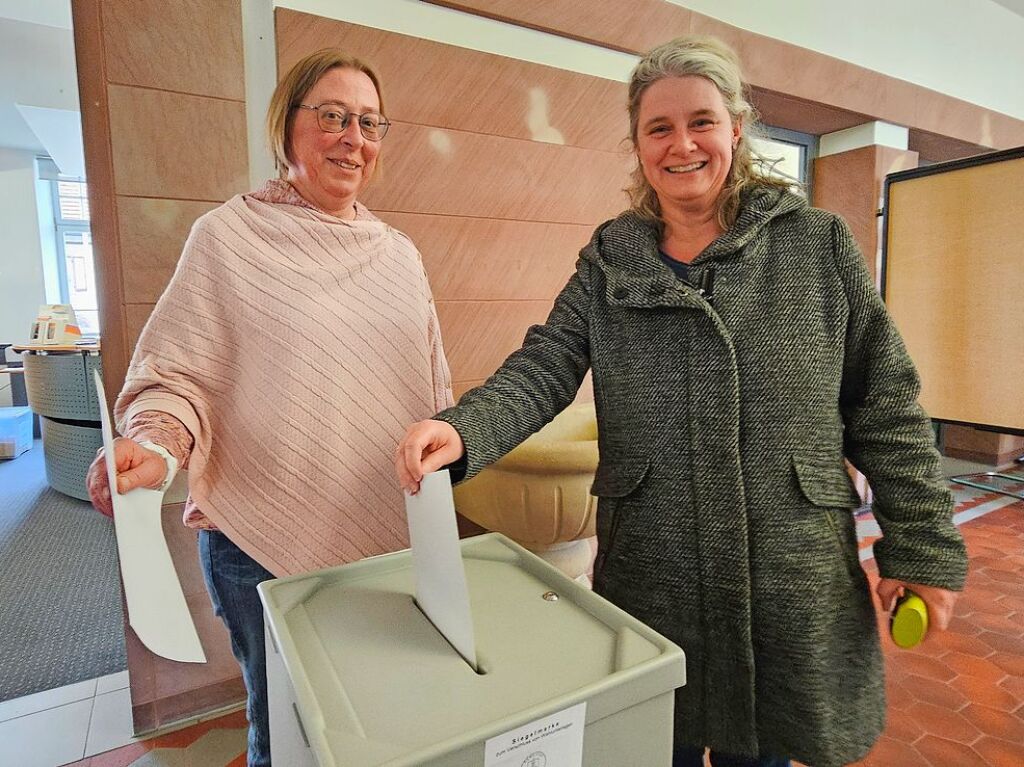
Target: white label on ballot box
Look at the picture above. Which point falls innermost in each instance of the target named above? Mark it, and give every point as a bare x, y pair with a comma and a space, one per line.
441, 590
553, 741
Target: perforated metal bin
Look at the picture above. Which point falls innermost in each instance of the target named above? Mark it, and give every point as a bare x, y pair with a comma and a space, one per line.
68, 450
60, 385
358, 676
61, 390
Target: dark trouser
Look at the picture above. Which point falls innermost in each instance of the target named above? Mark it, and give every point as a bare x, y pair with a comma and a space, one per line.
231, 576
688, 756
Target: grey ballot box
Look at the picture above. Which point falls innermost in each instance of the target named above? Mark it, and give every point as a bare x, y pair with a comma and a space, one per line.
358, 676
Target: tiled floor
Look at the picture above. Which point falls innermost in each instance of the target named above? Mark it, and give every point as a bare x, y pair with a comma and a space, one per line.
63, 725
90, 724
217, 742
955, 701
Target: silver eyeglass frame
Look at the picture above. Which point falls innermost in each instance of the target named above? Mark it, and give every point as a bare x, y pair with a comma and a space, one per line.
383, 128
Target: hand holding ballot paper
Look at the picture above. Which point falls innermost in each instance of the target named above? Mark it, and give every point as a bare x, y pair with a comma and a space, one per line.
441, 591
427, 446
156, 606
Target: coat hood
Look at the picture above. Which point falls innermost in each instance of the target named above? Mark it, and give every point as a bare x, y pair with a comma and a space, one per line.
630, 242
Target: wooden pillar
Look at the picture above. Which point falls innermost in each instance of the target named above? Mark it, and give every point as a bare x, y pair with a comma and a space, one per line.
850, 183
163, 123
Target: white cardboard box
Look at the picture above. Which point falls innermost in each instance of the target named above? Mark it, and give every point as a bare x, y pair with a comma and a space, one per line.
15, 431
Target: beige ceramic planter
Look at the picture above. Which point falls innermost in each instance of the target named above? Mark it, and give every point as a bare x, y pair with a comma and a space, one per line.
539, 494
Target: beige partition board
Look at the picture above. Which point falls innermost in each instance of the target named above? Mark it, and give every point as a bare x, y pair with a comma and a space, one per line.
954, 281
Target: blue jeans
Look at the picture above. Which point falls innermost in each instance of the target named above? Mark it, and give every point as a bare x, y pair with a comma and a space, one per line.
688, 756
231, 576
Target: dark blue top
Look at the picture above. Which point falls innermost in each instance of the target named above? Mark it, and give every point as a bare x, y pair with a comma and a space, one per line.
682, 271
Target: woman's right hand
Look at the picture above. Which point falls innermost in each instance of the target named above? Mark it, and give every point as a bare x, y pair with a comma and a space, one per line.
136, 467
426, 447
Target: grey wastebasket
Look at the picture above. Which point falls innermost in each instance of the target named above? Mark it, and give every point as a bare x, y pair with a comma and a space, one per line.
61, 391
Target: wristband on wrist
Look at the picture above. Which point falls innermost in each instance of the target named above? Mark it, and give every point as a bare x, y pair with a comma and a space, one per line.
172, 463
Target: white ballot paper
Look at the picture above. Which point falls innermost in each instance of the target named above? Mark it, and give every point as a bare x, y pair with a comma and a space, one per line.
156, 606
553, 741
441, 590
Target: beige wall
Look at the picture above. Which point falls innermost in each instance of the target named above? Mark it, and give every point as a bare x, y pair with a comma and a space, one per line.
793, 87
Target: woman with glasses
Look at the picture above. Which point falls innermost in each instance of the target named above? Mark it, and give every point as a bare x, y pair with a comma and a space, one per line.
739, 352
295, 341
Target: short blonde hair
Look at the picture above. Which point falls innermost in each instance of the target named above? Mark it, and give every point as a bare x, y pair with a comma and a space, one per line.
294, 86
713, 60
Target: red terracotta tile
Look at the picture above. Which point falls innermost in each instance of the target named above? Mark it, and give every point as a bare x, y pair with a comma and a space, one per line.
938, 693
1014, 603
1000, 753
989, 558
1015, 686
985, 592
970, 665
121, 757
942, 752
1010, 564
902, 725
984, 692
889, 753
922, 665
931, 647
967, 645
1003, 643
1004, 576
965, 626
991, 721
1001, 625
971, 605
940, 721
897, 697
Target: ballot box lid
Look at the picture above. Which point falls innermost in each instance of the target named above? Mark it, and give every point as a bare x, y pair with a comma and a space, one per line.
376, 683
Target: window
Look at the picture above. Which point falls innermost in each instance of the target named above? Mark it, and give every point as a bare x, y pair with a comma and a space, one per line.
789, 155
73, 201
75, 272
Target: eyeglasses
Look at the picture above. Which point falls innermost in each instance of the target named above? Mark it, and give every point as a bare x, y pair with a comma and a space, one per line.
334, 118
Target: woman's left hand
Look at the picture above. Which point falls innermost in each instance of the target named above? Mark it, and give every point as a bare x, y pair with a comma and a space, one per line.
939, 601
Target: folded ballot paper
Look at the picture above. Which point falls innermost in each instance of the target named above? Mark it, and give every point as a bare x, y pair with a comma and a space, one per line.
441, 591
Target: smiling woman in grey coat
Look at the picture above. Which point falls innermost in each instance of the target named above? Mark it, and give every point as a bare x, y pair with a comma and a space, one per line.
739, 352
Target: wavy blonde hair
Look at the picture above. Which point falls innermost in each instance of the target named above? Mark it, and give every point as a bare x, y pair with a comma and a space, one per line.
713, 60
294, 86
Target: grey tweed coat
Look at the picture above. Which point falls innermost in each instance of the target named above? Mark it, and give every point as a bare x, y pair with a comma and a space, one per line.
724, 515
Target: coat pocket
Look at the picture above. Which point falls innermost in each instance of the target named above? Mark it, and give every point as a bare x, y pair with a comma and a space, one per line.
825, 483
617, 479
613, 482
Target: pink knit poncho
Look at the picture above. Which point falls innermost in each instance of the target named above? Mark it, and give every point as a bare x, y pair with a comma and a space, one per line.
296, 348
